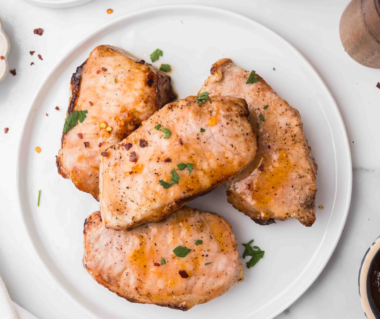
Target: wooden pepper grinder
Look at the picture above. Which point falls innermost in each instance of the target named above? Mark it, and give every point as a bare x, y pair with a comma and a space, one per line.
360, 32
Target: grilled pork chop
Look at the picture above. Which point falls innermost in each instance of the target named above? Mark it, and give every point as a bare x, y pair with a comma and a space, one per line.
281, 182
119, 92
181, 152
140, 265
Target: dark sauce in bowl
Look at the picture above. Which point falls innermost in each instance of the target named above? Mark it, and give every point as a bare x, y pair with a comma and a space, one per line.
373, 285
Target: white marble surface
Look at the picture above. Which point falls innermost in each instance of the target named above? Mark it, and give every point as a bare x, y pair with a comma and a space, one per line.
311, 26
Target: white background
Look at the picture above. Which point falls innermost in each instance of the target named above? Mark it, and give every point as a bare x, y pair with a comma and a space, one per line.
311, 26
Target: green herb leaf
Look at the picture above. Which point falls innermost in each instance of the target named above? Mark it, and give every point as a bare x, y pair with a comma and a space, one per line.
157, 127
175, 177
167, 133
165, 68
266, 106
261, 117
207, 264
181, 166
203, 97
164, 184
257, 125
39, 198
72, 120
115, 80
198, 242
203, 130
156, 55
249, 118
181, 251
252, 79
255, 252
274, 69
189, 167
163, 262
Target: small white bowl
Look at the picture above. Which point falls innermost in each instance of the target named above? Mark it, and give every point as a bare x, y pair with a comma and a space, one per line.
364, 285
5, 46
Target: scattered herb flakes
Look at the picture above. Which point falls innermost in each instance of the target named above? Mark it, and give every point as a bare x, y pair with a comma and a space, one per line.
163, 262
189, 167
38, 31
115, 80
175, 177
181, 166
320, 207
109, 11
207, 264
72, 120
167, 132
252, 79
164, 184
261, 117
31, 52
255, 252
155, 56
257, 125
203, 130
13, 72
198, 242
274, 69
39, 198
249, 118
40, 57
203, 97
157, 127
378, 85
181, 251
6, 130
266, 106
165, 68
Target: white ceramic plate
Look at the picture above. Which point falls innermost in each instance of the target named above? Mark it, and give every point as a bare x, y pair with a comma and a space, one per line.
192, 38
57, 3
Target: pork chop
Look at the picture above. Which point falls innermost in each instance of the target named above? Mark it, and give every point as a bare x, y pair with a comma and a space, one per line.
181, 152
118, 91
145, 265
281, 182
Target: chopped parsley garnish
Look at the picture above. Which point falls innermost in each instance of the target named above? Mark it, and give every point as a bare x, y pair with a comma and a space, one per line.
157, 127
255, 252
175, 177
182, 166
39, 198
257, 125
261, 117
115, 80
203, 97
163, 262
165, 68
252, 79
164, 184
167, 132
72, 120
266, 106
198, 242
274, 69
181, 251
203, 130
249, 119
156, 55
207, 264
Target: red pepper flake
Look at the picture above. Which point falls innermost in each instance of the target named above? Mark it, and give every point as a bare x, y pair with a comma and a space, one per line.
39, 31
104, 69
13, 72
100, 144
97, 72
40, 57
31, 52
183, 274
105, 154
156, 264
86, 144
6, 130
80, 135
91, 103
47, 114
57, 108
378, 85
32, 63
128, 146
167, 160
133, 157
180, 141
143, 143
2, 57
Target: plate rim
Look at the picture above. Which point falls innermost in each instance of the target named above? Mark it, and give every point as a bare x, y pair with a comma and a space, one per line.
346, 202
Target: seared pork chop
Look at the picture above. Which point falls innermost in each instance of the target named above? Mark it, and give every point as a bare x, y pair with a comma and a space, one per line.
118, 91
141, 266
181, 152
281, 182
